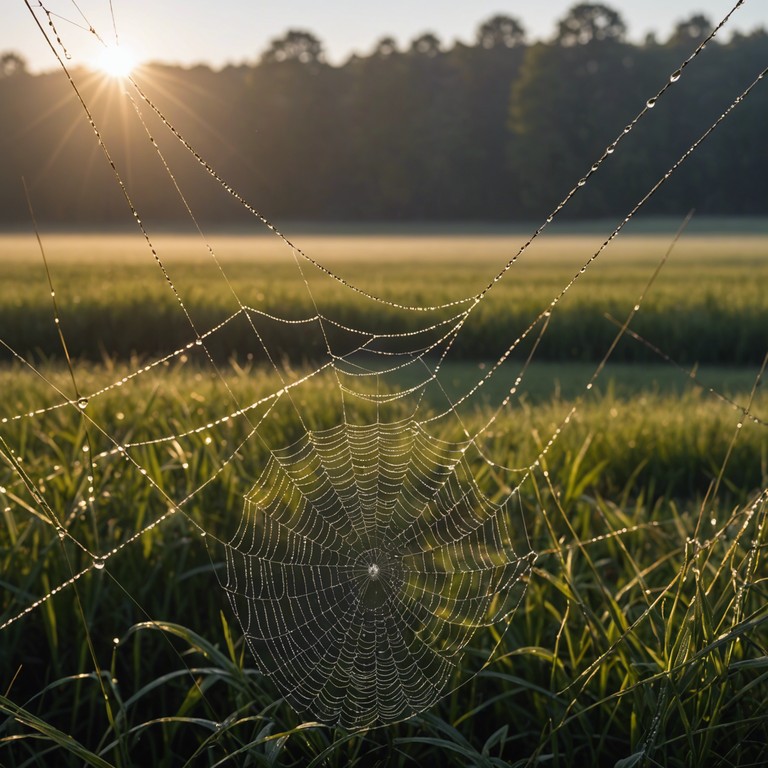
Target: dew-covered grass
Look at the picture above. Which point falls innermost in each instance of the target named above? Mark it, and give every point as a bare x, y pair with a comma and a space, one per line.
642, 636
643, 633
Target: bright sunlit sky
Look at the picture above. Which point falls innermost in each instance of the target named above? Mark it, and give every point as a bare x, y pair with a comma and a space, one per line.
235, 31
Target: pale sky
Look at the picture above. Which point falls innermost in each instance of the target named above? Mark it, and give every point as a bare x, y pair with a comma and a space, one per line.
235, 31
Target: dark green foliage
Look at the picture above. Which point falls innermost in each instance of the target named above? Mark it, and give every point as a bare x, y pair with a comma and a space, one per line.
499, 130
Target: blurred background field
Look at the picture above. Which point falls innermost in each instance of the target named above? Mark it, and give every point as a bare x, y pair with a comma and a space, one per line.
708, 307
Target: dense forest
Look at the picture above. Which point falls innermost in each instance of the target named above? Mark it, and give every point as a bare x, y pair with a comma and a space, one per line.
497, 130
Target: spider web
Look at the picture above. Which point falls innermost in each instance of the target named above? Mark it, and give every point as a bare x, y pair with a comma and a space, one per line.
366, 560
370, 550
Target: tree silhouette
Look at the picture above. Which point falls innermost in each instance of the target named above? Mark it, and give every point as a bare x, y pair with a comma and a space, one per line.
587, 22
385, 47
426, 45
496, 129
500, 32
691, 31
11, 64
296, 45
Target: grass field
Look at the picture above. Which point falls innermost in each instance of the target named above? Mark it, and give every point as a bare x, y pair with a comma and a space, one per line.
708, 305
642, 635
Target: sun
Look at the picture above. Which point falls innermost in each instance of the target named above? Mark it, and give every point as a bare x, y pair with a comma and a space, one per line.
116, 61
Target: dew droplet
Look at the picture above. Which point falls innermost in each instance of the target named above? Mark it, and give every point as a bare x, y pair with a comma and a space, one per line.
199, 342
98, 564
582, 182
651, 103
82, 403
675, 76
610, 149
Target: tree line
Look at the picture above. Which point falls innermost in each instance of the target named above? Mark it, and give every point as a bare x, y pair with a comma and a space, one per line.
498, 130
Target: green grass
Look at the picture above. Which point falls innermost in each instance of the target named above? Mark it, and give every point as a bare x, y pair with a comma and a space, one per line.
707, 307
643, 634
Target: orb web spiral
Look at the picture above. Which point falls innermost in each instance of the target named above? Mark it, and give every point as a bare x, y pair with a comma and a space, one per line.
365, 560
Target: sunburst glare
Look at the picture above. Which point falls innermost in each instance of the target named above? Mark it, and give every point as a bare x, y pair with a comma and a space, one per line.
116, 61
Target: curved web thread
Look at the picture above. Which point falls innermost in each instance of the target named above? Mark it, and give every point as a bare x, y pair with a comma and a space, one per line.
375, 537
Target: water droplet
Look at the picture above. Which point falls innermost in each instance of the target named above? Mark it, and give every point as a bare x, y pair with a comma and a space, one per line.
595, 166
82, 403
651, 103
610, 149
199, 342
582, 182
62, 533
373, 571
675, 76
98, 564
